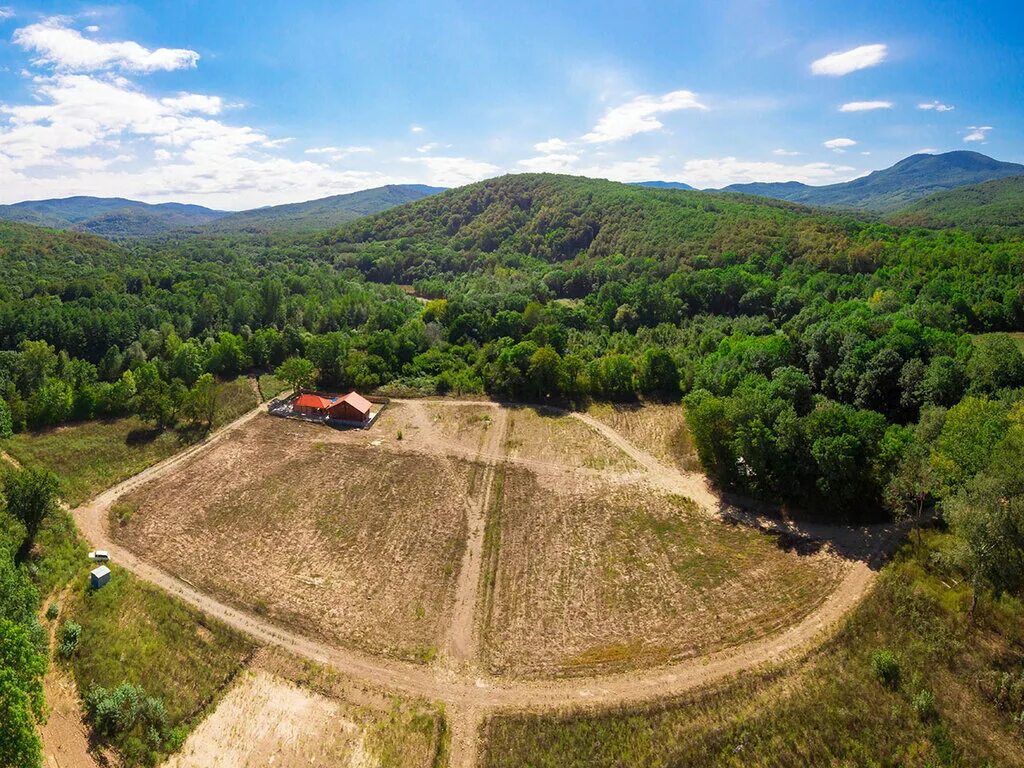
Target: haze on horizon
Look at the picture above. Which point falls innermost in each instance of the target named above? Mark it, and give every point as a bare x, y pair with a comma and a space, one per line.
183, 103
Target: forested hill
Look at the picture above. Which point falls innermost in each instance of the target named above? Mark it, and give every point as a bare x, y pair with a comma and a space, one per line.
322, 213
111, 217
553, 218
993, 208
908, 180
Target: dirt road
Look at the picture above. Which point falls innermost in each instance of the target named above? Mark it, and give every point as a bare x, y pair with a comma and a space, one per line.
470, 696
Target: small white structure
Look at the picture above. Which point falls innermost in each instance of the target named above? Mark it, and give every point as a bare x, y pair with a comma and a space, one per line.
100, 555
99, 576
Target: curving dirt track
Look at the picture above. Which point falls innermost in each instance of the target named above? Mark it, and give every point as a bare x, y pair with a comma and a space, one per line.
469, 697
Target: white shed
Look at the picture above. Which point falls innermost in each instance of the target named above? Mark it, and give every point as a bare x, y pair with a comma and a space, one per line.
99, 576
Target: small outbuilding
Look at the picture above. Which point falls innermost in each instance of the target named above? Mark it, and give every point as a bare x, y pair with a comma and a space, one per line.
99, 576
351, 407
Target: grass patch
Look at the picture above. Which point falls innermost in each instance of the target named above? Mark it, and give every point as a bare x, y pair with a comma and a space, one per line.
271, 386
837, 708
133, 632
91, 456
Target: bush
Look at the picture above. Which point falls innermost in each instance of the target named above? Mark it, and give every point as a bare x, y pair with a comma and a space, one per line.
70, 634
51, 611
924, 706
126, 716
886, 667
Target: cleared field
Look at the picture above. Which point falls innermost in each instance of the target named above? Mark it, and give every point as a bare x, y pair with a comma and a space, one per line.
590, 576
91, 456
267, 720
658, 429
354, 542
832, 710
545, 437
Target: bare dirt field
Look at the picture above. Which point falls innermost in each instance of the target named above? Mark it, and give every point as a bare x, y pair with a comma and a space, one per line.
658, 429
591, 576
334, 532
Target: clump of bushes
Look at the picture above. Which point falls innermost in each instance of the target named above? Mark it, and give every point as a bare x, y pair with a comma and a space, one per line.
69, 636
126, 716
1009, 694
51, 611
886, 667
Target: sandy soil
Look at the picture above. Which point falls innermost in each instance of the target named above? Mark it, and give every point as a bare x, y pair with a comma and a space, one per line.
264, 720
354, 542
656, 428
64, 735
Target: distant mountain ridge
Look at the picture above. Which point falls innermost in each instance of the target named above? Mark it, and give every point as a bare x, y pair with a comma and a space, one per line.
663, 185
324, 213
110, 217
908, 180
118, 218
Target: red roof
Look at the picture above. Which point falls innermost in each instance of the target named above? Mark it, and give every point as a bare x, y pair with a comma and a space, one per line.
357, 401
313, 401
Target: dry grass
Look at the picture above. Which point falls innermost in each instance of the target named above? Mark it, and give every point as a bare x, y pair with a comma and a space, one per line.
543, 437
595, 577
658, 429
356, 543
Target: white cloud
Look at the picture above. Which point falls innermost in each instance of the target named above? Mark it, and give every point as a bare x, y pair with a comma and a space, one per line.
430, 146
194, 102
785, 152
92, 29
6, 12
844, 62
722, 171
839, 144
452, 171
55, 44
639, 116
865, 106
977, 132
551, 145
937, 106
553, 162
640, 169
416, 128
927, 151
337, 154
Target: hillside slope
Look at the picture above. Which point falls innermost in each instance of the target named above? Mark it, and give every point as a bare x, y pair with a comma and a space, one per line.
109, 216
323, 213
994, 207
908, 180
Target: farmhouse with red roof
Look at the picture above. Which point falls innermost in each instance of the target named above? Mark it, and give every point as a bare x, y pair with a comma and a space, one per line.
352, 407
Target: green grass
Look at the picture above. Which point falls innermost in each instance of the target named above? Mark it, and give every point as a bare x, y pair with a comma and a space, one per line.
831, 709
134, 632
271, 386
91, 456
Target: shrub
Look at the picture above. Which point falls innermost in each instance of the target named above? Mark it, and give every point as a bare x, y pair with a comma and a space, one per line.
886, 667
70, 634
127, 716
924, 706
51, 611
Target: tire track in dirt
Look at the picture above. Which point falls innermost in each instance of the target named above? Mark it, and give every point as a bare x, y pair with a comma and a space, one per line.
470, 697
463, 638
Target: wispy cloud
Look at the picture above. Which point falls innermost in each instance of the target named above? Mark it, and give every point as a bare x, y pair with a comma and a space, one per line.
6, 12
57, 45
551, 145
452, 171
844, 62
936, 105
864, 106
786, 152
639, 115
838, 145
722, 171
416, 128
977, 132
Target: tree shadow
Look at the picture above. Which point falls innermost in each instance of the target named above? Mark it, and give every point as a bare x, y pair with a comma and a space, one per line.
142, 436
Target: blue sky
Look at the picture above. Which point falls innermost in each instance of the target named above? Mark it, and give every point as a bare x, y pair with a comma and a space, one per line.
238, 104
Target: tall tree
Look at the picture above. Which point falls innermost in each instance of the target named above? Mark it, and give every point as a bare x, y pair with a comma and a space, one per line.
31, 496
